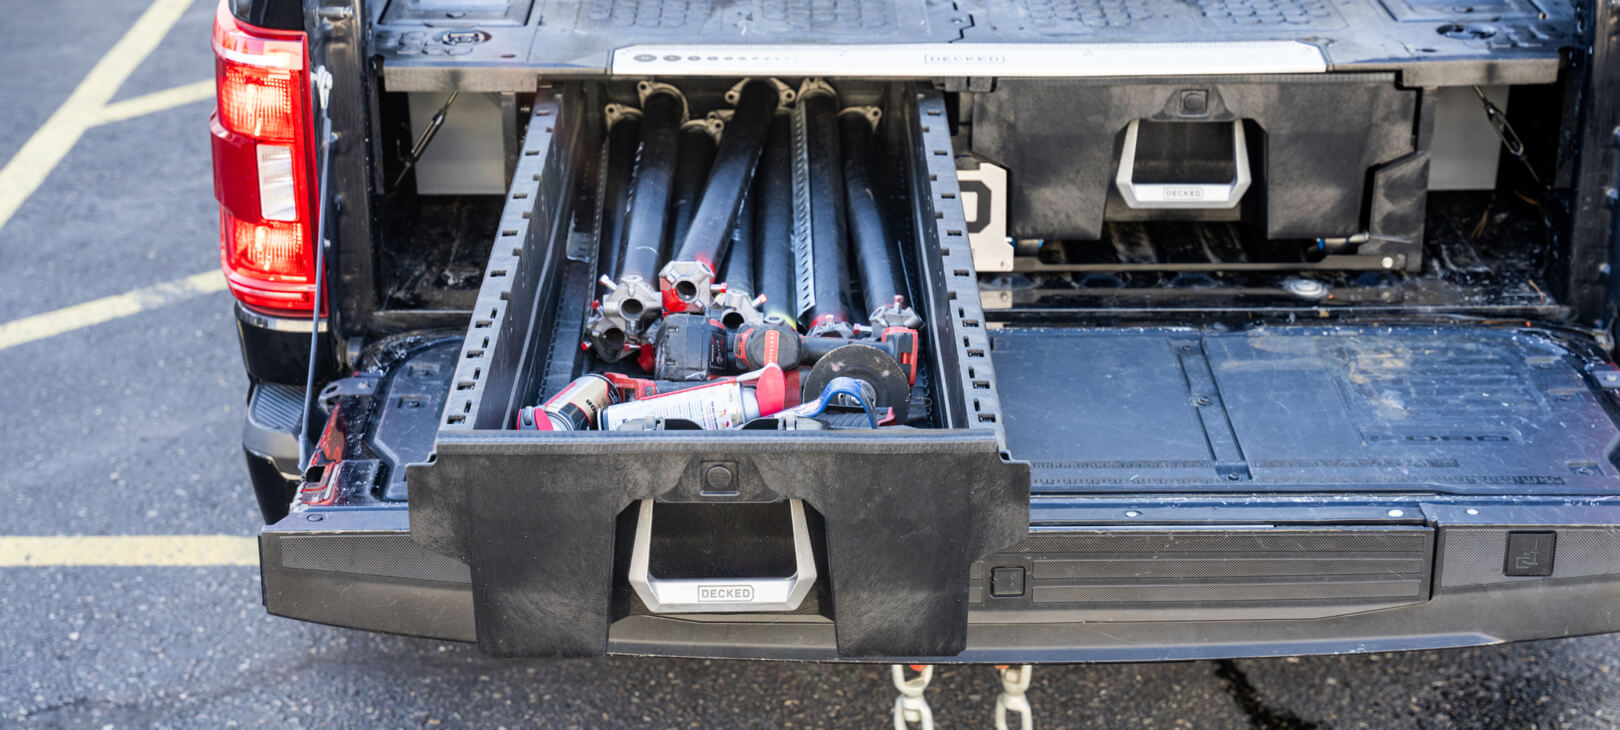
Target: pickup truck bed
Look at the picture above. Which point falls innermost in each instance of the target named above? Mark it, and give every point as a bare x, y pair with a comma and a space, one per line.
1345, 410
1251, 490
1211, 494
1387, 514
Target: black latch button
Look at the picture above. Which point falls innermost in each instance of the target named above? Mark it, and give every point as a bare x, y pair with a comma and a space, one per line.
1006, 582
1530, 553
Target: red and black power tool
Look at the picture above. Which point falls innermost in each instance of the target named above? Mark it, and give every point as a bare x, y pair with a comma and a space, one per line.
694, 347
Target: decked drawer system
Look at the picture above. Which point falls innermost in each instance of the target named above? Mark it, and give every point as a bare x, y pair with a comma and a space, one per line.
1065, 487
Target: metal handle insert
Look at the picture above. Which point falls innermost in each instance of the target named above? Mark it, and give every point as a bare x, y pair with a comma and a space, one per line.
722, 594
1190, 195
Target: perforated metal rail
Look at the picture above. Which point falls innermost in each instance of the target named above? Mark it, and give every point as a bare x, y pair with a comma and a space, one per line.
943, 203
528, 203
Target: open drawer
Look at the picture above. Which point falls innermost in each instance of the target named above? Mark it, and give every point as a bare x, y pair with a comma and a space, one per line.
1182, 457
904, 510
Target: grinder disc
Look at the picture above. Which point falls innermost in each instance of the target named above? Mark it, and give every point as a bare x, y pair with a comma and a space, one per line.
866, 363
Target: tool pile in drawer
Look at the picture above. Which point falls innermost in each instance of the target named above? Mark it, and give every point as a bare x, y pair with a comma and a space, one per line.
751, 276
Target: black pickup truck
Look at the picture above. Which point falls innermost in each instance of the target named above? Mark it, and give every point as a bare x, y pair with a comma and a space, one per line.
929, 330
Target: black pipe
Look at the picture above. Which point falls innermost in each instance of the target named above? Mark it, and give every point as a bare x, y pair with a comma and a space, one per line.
818, 117
738, 273
876, 256
623, 137
648, 218
773, 229
733, 171
691, 172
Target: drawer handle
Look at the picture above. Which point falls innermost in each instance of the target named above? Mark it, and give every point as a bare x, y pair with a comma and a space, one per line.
725, 594
1196, 196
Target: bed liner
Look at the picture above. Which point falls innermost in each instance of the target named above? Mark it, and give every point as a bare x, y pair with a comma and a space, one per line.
1430, 43
1445, 409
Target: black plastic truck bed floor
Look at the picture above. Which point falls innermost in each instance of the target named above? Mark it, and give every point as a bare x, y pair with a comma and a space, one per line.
1449, 410
1432, 43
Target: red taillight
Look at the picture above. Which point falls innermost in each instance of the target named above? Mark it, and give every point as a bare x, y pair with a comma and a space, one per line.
259, 102
264, 165
267, 250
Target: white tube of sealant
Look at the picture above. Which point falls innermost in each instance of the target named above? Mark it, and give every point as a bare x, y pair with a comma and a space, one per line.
714, 406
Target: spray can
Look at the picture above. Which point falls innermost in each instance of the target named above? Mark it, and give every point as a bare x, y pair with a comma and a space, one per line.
721, 404
574, 408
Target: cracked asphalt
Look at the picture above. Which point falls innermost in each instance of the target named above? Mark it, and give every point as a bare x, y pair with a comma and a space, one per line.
131, 427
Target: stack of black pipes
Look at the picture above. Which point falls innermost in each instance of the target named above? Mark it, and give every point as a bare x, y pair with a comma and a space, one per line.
761, 216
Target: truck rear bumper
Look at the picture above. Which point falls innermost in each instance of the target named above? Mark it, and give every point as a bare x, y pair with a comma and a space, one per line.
1226, 590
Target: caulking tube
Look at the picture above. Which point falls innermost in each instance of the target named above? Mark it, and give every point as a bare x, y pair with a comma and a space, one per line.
719, 405
574, 408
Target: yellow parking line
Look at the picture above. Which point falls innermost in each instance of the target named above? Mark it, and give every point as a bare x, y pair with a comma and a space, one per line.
156, 101
41, 153
128, 551
94, 312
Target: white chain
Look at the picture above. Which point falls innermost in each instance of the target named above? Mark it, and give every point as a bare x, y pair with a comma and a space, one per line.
910, 707
1013, 683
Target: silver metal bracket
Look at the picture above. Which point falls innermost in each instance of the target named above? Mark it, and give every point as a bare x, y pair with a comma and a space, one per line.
736, 308
1608, 378
692, 283
722, 594
616, 112
843, 330
646, 89
786, 94
711, 125
872, 114
894, 315
620, 324
816, 85
1194, 196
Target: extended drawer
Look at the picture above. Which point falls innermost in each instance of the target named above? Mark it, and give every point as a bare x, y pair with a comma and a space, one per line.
904, 510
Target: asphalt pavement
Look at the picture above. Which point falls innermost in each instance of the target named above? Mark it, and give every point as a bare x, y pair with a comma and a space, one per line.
131, 427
